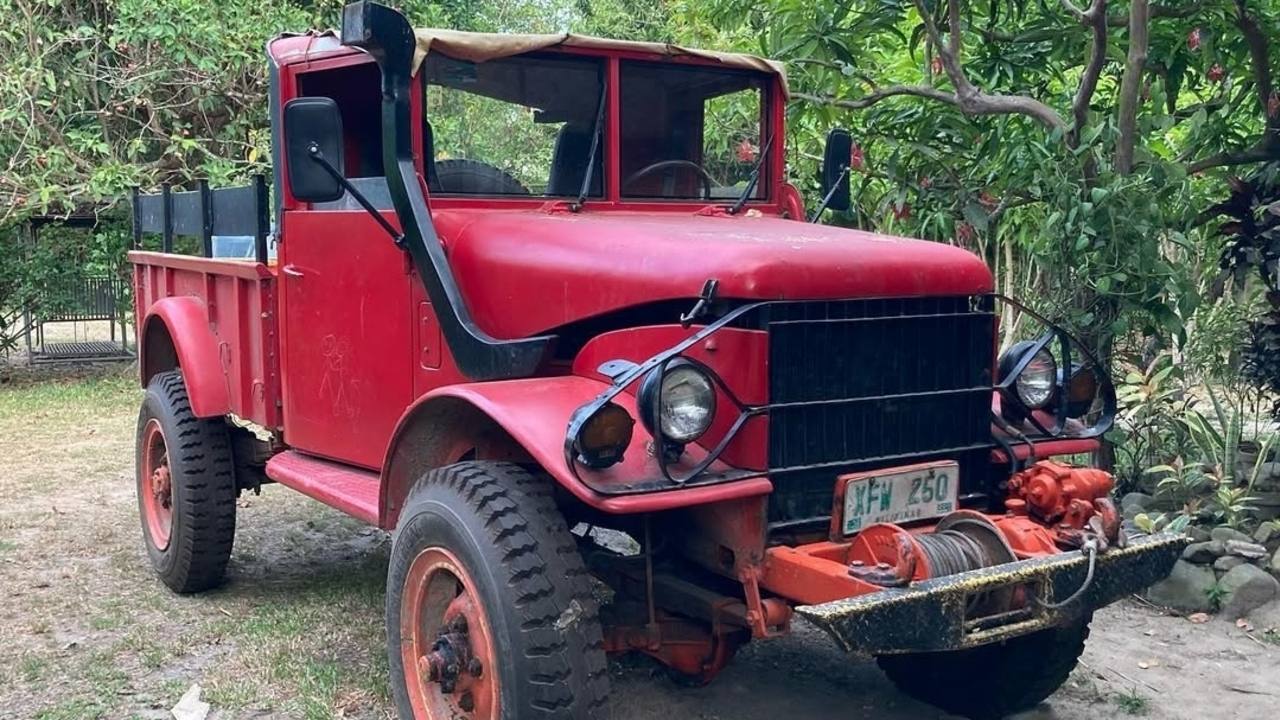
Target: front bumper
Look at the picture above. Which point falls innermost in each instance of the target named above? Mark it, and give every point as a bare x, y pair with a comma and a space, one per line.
932, 615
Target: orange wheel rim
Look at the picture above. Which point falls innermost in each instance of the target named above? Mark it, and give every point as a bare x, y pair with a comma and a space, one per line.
155, 485
446, 644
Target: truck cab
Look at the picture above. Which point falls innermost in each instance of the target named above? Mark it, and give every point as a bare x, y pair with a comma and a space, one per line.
547, 308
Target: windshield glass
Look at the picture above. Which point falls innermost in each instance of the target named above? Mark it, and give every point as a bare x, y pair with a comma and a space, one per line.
690, 132
515, 126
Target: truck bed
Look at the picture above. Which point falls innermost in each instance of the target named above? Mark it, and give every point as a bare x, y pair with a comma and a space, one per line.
239, 297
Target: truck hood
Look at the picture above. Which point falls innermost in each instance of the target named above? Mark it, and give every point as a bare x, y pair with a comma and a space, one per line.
527, 272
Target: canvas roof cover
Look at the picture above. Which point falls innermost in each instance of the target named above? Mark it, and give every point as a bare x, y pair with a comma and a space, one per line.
479, 47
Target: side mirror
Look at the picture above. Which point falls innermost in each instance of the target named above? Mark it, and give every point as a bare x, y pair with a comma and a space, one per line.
835, 170
313, 140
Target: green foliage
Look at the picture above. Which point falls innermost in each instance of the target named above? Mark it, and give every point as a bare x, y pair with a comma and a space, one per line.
1132, 703
1216, 595
1151, 403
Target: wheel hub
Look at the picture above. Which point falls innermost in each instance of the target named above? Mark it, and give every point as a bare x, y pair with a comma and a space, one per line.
161, 488
155, 485
451, 657
446, 644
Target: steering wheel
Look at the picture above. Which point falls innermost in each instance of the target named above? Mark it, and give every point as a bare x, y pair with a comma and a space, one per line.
707, 180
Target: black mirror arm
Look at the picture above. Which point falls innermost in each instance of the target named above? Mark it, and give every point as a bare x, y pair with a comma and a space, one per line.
314, 152
826, 200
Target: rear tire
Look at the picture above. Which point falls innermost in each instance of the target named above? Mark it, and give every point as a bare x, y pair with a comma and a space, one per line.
485, 541
991, 681
474, 177
186, 487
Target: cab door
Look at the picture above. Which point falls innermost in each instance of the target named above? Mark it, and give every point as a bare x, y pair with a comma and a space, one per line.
348, 345
347, 314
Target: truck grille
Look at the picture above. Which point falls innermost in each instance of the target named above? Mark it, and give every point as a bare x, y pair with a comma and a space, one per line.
874, 383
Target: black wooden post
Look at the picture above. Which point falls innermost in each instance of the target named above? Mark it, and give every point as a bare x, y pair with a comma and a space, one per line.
206, 218
137, 217
263, 225
166, 213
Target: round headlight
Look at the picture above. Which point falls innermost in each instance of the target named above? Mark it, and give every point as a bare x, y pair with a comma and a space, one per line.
1036, 381
604, 437
686, 402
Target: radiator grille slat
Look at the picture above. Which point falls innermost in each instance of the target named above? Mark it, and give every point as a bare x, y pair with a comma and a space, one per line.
857, 382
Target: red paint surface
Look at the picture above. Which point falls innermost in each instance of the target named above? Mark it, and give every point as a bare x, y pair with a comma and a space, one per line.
220, 315
565, 267
348, 348
738, 357
536, 412
1047, 448
351, 490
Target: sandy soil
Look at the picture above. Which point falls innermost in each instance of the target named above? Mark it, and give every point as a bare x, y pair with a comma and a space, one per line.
296, 632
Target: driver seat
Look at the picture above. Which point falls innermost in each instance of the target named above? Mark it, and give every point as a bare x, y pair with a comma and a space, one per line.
569, 162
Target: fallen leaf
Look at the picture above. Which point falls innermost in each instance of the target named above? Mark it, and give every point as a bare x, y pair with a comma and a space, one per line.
1244, 625
1198, 618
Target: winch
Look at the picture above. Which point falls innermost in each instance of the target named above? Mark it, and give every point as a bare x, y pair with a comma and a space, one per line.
1075, 502
891, 556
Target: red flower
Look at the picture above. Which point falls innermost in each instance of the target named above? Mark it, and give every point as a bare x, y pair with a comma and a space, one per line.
902, 211
987, 200
1216, 73
926, 182
1193, 40
746, 152
857, 160
936, 65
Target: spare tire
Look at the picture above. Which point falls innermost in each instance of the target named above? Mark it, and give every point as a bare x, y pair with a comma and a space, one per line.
472, 177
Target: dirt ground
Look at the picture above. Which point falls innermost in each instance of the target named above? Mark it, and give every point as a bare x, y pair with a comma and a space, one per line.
87, 632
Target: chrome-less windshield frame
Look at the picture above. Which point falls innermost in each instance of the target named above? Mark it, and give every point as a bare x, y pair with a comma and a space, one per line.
666, 152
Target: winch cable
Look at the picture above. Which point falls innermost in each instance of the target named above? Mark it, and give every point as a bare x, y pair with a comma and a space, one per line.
1090, 548
950, 552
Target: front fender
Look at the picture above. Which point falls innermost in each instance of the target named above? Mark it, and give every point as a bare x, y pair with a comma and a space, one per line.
176, 330
535, 414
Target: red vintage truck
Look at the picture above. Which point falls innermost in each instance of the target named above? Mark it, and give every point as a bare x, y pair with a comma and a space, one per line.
546, 308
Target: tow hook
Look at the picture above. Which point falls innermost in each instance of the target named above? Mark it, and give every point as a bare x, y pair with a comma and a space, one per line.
451, 656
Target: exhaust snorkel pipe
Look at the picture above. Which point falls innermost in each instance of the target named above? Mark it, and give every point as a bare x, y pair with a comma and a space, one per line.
388, 38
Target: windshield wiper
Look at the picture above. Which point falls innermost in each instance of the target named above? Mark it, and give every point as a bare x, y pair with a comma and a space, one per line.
755, 177
589, 171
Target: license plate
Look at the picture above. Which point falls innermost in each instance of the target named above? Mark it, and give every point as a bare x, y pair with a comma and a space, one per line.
900, 495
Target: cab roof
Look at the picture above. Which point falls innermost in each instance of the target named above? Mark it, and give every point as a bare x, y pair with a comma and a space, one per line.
479, 47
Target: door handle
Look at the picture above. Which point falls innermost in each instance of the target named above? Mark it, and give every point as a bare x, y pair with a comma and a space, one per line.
292, 271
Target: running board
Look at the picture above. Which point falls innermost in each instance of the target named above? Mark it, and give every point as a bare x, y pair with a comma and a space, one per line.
352, 490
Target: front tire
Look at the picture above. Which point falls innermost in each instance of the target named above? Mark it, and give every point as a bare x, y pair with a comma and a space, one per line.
186, 488
490, 612
991, 681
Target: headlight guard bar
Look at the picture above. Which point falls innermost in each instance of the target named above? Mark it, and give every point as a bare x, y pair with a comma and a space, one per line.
626, 373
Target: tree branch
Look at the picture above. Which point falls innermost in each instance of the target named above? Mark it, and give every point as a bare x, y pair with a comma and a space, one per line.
879, 94
1268, 146
1131, 85
1159, 12
1259, 57
969, 99
1095, 17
